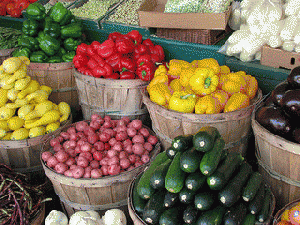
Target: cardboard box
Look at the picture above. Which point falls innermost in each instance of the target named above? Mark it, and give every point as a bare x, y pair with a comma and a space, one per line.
279, 58
151, 14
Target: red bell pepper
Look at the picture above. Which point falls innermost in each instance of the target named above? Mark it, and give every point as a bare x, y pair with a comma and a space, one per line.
127, 75
127, 64
114, 35
148, 42
80, 61
113, 76
22, 4
146, 71
135, 36
95, 45
85, 70
99, 67
81, 49
143, 59
155, 59
115, 61
3, 9
16, 13
90, 51
158, 50
124, 45
106, 49
140, 50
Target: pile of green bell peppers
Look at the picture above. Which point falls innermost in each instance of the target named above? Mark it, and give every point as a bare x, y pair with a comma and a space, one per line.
51, 37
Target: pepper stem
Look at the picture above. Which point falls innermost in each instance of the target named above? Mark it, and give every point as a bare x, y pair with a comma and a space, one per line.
207, 82
188, 95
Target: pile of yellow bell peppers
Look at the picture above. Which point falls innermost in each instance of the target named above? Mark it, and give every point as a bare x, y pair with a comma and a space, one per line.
201, 87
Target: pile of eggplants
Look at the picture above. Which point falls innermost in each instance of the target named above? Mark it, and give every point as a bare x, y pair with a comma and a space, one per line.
280, 113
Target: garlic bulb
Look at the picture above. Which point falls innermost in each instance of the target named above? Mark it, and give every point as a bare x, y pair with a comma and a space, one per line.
114, 217
89, 217
56, 218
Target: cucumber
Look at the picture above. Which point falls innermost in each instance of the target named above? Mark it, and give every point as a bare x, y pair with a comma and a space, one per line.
144, 188
190, 214
154, 207
171, 216
236, 214
195, 181
204, 200
157, 180
190, 160
186, 196
220, 177
170, 199
137, 201
252, 186
213, 216
232, 192
205, 138
249, 219
255, 205
175, 177
264, 213
212, 158
171, 152
182, 142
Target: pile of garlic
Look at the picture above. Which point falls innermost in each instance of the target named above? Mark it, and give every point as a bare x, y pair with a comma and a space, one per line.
260, 22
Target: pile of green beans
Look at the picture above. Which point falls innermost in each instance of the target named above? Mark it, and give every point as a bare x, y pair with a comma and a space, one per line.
9, 38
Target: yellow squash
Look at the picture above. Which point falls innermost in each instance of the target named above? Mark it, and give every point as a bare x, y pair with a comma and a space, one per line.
65, 110
3, 97
237, 101
40, 110
208, 105
20, 134
32, 87
49, 117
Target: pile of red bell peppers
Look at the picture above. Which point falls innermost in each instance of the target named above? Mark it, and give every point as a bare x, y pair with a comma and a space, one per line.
14, 8
121, 56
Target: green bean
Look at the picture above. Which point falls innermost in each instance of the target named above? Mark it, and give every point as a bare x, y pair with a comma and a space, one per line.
9, 37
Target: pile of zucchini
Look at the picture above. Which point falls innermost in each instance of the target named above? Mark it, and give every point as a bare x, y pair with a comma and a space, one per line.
196, 181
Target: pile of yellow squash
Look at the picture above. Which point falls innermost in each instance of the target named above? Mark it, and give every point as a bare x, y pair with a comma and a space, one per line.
25, 111
201, 87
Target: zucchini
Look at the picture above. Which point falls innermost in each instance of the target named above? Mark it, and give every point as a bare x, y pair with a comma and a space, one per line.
220, 177
249, 219
233, 190
204, 200
236, 214
252, 186
264, 213
175, 177
190, 214
213, 216
195, 181
171, 216
212, 158
182, 143
170, 152
144, 189
157, 180
190, 160
154, 207
255, 205
205, 138
137, 201
170, 199
186, 196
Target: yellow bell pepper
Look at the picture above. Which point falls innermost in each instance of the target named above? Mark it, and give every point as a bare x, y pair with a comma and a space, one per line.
183, 102
208, 105
160, 94
252, 86
222, 96
233, 83
186, 74
204, 81
237, 101
207, 63
175, 85
161, 70
224, 70
161, 78
175, 67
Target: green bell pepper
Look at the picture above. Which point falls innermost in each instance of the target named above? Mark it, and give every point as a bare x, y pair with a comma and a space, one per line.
60, 14
38, 56
48, 44
21, 52
30, 27
73, 30
61, 52
51, 28
71, 44
29, 42
54, 59
69, 56
36, 11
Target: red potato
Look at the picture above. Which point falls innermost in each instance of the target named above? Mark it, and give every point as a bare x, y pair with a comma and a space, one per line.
107, 118
54, 142
93, 150
114, 169
99, 146
126, 142
78, 172
118, 146
86, 147
145, 158
152, 139
110, 131
61, 167
77, 149
68, 173
74, 137
46, 156
144, 131
124, 163
112, 141
81, 126
114, 123
126, 119
104, 170
121, 128
95, 124
87, 155
131, 132
82, 162
113, 160
95, 117
97, 155
65, 135
80, 142
111, 153
61, 156
136, 124
138, 163
107, 124
94, 164
121, 136
123, 154
60, 138
104, 137
71, 130
138, 139
74, 166
138, 149
93, 138
132, 158
128, 149
96, 173
52, 161
72, 152
121, 123
87, 174
88, 131
106, 146
148, 147
67, 145
88, 169
71, 161
81, 135
104, 161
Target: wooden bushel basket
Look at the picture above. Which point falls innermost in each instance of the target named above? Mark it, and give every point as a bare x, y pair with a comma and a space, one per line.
279, 213
116, 98
279, 163
100, 194
58, 76
234, 126
5, 54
